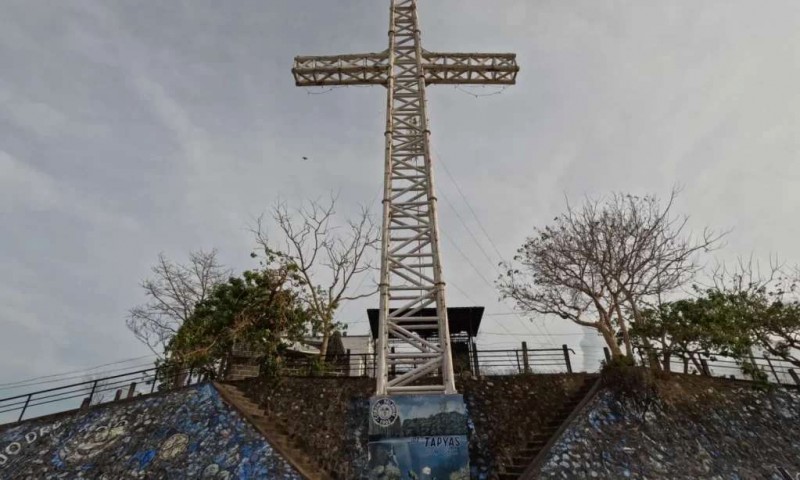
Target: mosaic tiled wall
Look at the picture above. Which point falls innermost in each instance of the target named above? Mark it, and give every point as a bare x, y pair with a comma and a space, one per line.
741, 433
190, 433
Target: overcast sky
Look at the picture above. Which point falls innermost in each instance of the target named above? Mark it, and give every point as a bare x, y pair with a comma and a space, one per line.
129, 128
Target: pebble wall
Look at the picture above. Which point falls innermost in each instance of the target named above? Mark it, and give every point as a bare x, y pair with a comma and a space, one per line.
705, 432
184, 434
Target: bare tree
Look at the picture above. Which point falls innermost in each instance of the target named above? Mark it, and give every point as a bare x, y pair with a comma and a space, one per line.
327, 257
172, 294
601, 264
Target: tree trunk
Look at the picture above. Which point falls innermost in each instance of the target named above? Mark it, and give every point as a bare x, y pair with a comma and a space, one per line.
626, 338
611, 341
326, 336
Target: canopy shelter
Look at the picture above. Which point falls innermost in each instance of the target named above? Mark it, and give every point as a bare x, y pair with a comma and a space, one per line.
463, 323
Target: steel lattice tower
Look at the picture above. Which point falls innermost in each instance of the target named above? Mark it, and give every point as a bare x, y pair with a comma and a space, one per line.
411, 271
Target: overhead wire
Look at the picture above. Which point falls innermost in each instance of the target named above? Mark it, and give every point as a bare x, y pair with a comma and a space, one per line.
469, 206
84, 370
480, 95
83, 375
474, 238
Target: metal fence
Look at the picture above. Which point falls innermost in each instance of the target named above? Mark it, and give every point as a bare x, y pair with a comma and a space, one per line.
92, 392
773, 370
477, 361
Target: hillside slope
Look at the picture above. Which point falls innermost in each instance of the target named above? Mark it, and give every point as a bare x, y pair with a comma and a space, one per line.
693, 428
189, 433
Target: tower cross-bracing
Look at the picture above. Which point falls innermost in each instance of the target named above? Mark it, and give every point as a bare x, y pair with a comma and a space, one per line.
411, 283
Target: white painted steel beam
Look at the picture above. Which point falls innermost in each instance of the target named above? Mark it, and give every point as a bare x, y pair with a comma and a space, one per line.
410, 257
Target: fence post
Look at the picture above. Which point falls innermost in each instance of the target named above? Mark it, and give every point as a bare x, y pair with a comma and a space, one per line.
91, 394
476, 361
566, 358
794, 376
607, 354
155, 377
771, 367
131, 390
526, 365
189, 378
118, 395
706, 370
349, 365
24, 407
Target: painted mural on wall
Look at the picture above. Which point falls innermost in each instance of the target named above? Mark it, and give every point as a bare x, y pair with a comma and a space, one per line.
420, 437
189, 433
745, 433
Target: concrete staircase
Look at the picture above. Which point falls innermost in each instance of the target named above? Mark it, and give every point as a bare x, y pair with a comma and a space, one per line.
526, 456
273, 431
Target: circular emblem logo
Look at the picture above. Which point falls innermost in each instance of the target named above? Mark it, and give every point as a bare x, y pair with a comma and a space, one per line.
384, 412
174, 446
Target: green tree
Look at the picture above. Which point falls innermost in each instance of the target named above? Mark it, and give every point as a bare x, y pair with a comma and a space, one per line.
261, 308
725, 321
691, 328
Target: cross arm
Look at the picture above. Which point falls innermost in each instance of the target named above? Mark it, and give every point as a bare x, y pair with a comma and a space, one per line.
438, 68
470, 68
331, 70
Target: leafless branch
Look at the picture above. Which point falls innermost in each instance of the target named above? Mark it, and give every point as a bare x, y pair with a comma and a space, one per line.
172, 293
327, 256
602, 263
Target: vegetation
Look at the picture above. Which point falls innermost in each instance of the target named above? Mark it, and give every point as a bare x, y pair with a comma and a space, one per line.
603, 264
261, 309
733, 318
327, 257
172, 294
196, 312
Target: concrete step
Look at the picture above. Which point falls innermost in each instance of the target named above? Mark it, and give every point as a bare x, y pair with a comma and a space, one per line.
528, 452
508, 476
274, 432
524, 457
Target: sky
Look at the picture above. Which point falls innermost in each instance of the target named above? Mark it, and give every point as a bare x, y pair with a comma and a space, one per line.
133, 128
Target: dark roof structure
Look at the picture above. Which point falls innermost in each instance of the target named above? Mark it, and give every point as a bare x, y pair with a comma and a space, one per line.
461, 320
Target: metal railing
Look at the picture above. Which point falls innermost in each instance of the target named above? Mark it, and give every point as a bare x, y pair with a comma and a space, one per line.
112, 388
478, 361
773, 370
94, 392
523, 360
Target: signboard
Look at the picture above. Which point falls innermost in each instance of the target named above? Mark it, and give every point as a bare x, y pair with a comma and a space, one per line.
418, 437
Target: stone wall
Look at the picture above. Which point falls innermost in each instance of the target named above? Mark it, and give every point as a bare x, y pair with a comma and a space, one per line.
328, 416
189, 433
506, 412
694, 428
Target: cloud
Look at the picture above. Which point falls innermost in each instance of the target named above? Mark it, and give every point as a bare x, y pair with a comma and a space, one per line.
23, 188
126, 130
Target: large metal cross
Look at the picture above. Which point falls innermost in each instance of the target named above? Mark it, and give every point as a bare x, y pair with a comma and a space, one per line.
413, 342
